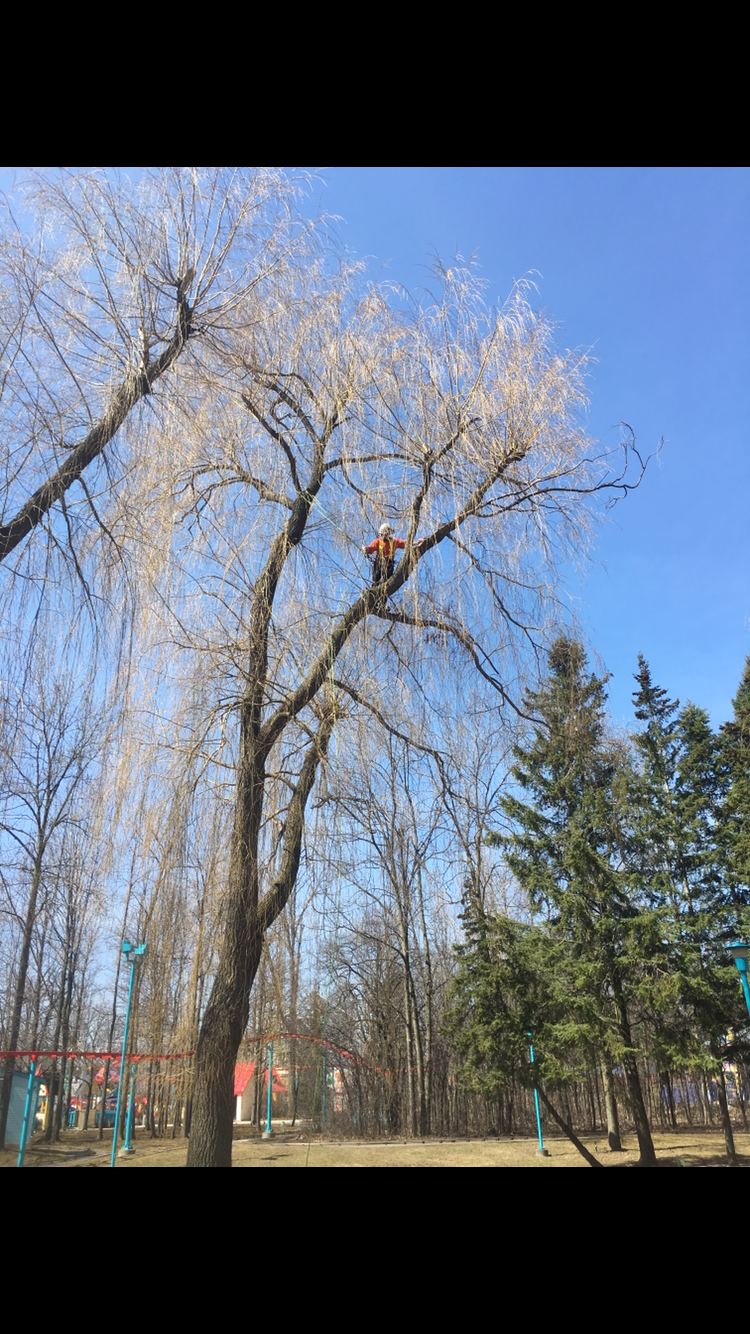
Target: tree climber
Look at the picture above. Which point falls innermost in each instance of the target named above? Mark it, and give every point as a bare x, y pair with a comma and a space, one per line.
383, 549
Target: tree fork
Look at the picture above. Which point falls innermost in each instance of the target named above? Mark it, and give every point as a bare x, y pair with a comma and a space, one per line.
210, 1143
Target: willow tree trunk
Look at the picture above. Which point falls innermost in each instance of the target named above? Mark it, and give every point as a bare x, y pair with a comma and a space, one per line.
246, 921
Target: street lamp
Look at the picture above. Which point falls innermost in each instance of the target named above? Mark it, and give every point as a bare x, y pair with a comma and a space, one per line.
132, 954
739, 953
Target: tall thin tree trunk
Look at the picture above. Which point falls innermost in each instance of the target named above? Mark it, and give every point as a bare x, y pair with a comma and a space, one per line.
19, 991
90, 1097
427, 1076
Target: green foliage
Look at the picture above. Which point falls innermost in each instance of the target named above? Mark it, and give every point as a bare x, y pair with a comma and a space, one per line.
736, 828
490, 1001
679, 861
558, 978
637, 860
566, 848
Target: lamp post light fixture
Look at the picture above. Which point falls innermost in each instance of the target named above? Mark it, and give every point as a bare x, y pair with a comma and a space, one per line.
740, 952
132, 954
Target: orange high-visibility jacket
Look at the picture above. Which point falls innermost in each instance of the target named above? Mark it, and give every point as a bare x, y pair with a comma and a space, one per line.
384, 547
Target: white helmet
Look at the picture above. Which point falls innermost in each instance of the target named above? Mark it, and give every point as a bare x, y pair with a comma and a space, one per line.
385, 530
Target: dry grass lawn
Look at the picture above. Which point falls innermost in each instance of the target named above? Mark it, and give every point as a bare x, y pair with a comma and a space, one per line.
682, 1148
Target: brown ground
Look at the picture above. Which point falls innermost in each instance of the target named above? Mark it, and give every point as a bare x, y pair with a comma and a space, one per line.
681, 1148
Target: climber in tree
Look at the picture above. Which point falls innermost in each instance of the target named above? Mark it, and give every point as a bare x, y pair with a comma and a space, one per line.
383, 549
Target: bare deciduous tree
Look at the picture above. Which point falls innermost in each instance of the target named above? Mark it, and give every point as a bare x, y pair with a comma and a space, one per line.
58, 735
454, 420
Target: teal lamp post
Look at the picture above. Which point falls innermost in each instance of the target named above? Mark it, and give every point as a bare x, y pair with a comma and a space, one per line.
739, 953
132, 954
127, 1147
541, 1150
268, 1132
27, 1112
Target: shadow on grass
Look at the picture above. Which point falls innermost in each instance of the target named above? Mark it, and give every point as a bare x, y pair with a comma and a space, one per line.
689, 1159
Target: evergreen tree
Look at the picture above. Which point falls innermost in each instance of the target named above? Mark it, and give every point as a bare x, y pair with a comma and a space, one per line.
568, 853
653, 794
490, 1000
677, 862
735, 737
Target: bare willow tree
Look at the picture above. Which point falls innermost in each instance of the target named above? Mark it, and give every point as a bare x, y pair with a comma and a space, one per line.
390, 812
341, 409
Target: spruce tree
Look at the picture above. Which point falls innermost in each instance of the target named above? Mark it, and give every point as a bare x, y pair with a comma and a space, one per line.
567, 852
702, 784
678, 867
735, 736
487, 1019
653, 794
735, 821
655, 869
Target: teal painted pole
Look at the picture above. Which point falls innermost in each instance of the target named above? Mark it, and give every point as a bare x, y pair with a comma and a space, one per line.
325, 1081
269, 1130
131, 1102
26, 1112
739, 952
541, 1148
127, 950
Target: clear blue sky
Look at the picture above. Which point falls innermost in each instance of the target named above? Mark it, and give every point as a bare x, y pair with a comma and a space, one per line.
649, 267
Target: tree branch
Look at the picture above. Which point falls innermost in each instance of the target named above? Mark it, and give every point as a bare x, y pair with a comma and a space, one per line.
134, 388
274, 901
359, 699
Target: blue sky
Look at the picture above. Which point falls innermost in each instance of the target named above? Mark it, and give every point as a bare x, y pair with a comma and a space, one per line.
649, 267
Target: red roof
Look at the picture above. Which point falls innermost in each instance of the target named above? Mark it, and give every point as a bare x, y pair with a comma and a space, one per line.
243, 1073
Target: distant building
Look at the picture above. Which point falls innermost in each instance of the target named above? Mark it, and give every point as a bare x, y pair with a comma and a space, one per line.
244, 1089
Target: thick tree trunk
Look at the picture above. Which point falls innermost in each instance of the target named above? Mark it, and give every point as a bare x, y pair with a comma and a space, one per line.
247, 920
221, 1033
568, 1130
637, 1105
726, 1121
610, 1102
